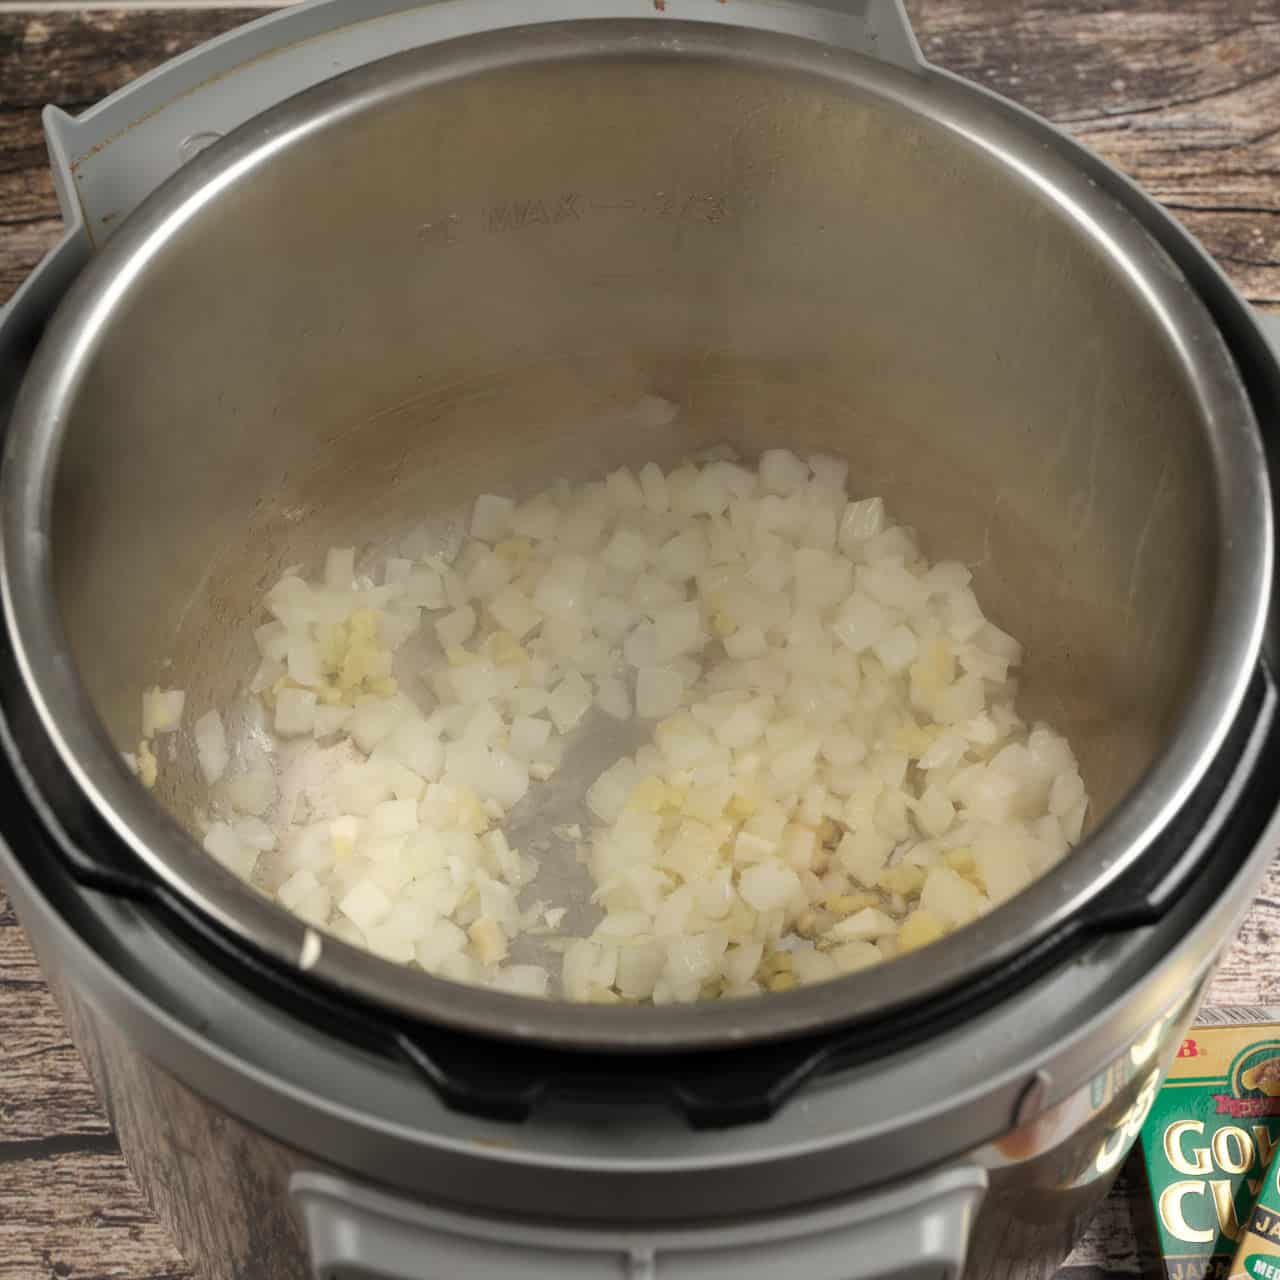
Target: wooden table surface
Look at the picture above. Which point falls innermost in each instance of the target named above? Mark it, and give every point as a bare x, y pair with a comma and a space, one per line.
1184, 95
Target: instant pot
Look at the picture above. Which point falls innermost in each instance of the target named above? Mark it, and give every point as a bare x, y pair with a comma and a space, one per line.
355, 262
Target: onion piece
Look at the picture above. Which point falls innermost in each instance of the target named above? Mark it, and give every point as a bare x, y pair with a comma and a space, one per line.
211, 747
835, 774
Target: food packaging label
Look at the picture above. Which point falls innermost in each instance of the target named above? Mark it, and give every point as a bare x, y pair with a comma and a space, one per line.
1208, 1144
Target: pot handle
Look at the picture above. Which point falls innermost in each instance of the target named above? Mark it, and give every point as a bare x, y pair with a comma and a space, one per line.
914, 1232
107, 160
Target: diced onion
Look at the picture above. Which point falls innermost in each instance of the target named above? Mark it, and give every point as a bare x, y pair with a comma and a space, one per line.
835, 773
162, 711
211, 747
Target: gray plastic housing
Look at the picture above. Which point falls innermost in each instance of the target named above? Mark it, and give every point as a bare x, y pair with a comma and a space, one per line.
106, 162
917, 1232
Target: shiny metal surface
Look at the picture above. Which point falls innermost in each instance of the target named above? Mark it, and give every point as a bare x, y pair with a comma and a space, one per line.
107, 159
229, 1212
471, 266
183, 1066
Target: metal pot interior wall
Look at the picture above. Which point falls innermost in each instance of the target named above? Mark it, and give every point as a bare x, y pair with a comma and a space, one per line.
557, 268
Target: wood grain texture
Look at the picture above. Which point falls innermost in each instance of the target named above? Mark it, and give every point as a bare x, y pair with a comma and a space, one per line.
88, 1222
69, 1208
72, 60
1250, 972
1184, 95
1108, 1247
45, 1093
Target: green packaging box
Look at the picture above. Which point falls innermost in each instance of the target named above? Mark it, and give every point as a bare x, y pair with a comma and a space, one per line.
1208, 1143
1258, 1256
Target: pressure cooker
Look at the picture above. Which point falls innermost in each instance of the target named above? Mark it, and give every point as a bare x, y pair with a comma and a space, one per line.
354, 260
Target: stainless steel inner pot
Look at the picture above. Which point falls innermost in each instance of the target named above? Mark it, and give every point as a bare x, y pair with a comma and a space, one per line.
551, 251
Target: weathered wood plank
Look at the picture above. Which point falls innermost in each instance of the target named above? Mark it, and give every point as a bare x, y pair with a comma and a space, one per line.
1250, 971
18, 968
1088, 61
44, 1089
78, 57
69, 1208
1185, 98
1178, 95
45, 1092
72, 59
76, 1215
1108, 1247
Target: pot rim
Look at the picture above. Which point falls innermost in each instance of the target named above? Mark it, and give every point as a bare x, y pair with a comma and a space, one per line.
1036, 153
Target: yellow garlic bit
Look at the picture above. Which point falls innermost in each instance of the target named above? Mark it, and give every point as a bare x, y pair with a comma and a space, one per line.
504, 650
148, 765
902, 879
515, 550
676, 799
744, 801
357, 654
774, 962
648, 795
722, 624
362, 627
933, 670
331, 638
845, 904
913, 741
488, 939
471, 816
919, 929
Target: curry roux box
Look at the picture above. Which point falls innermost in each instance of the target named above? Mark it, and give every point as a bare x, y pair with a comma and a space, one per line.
1258, 1255
1208, 1142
